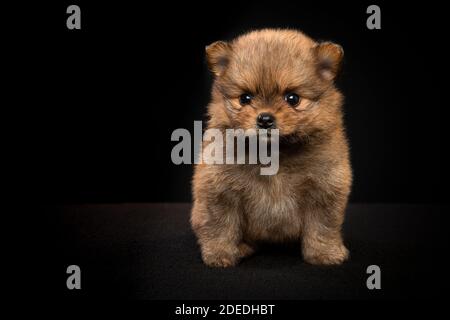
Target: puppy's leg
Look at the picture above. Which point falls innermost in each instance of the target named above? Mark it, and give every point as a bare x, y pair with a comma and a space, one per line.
218, 231
322, 239
245, 249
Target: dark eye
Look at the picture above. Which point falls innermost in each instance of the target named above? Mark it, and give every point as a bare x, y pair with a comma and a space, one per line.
292, 98
245, 98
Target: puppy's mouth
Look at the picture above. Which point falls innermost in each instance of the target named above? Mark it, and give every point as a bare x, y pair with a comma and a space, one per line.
268, 135
267, 132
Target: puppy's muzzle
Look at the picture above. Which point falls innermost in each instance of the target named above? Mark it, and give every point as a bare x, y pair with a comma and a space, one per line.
265, 120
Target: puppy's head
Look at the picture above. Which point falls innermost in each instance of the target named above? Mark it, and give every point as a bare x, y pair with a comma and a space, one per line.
275, 79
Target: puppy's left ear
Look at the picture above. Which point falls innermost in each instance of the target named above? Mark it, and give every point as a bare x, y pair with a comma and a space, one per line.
329, 59
217, 55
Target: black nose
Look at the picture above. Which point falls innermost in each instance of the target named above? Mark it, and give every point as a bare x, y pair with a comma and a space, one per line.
265, 120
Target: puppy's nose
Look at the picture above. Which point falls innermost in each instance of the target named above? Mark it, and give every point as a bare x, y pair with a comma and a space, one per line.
265, 120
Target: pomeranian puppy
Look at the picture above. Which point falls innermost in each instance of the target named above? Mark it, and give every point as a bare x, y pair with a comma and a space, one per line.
276, 79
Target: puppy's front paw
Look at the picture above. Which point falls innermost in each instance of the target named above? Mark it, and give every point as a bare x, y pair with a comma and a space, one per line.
245, 250
219, 260
331, 255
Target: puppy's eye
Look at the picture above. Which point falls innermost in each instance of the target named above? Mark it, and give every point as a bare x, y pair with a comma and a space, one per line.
292, 98
245, 98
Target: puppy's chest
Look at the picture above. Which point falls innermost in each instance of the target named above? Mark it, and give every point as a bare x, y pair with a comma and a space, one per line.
270, 208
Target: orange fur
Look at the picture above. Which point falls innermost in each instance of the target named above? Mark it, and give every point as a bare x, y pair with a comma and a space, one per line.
234, 206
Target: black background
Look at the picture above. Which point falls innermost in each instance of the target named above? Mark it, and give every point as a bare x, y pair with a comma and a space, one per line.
100, 103
94, 109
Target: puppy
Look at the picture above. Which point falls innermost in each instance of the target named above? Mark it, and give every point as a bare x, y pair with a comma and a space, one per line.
286, 78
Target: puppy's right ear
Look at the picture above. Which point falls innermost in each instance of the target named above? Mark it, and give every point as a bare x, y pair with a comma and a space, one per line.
217, 55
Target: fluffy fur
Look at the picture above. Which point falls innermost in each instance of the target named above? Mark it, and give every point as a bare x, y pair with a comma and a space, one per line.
235, 207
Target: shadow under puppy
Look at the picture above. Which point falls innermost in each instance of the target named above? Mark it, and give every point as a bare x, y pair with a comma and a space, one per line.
285, 80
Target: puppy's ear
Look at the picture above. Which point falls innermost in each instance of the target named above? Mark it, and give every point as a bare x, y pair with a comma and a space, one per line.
217, 55
329, 58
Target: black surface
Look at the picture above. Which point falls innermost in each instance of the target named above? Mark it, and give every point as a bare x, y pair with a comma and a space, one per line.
148, 251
